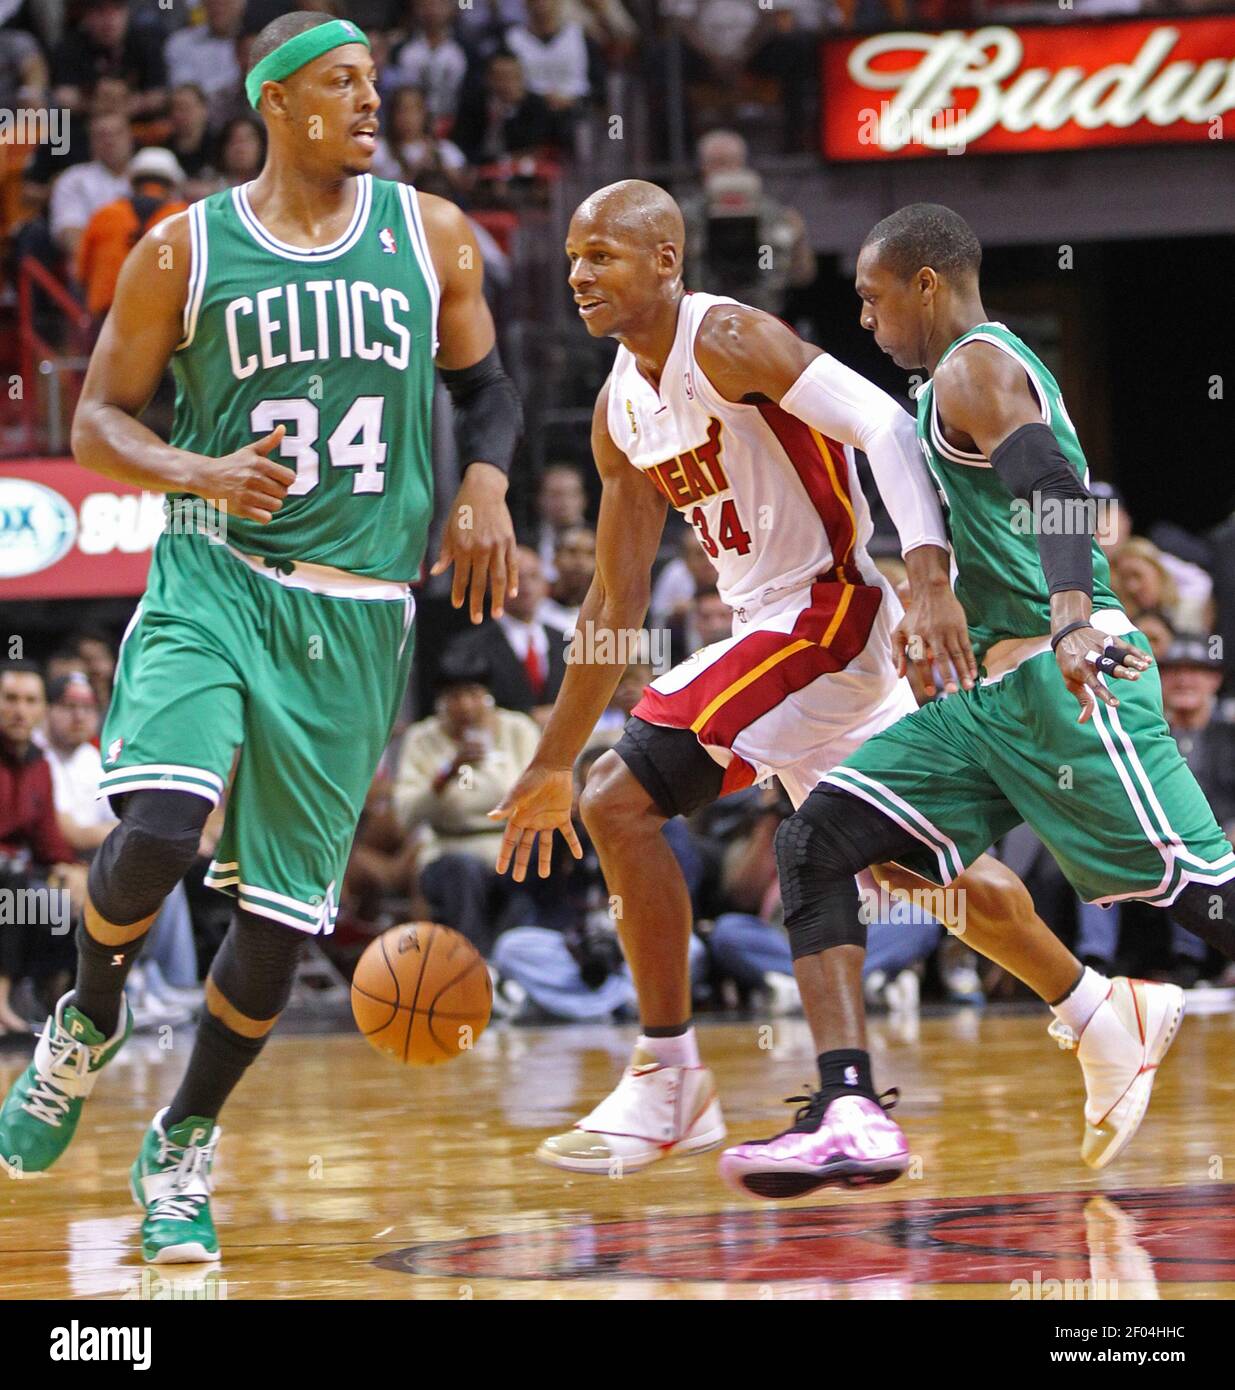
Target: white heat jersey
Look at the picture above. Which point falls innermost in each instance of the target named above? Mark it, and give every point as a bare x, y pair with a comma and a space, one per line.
775, 504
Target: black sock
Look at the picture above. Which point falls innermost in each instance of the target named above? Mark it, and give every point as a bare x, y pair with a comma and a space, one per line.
674, 1030
220, 1058
101, 973
846, 1071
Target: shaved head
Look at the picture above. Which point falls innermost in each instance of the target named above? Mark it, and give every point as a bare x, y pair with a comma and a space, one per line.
637, 213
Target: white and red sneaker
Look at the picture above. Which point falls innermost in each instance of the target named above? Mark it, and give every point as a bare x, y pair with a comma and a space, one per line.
849, 1141
655, 1111
1119, 1050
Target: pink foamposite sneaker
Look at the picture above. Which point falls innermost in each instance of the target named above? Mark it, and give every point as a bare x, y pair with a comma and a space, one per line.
848, 1141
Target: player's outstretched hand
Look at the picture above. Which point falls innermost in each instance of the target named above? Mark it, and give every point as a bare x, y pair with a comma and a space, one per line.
935, 629
479, 540
249, 483
539, 803
1088, 658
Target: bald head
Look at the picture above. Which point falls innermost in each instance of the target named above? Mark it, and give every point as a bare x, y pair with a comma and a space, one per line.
640, 214
624, 245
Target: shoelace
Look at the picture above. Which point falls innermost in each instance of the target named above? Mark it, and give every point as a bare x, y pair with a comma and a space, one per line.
1063, 1035
813, 1106
70, 1061
193, 1163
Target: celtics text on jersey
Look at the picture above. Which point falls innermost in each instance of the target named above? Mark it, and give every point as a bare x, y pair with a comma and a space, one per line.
336, 343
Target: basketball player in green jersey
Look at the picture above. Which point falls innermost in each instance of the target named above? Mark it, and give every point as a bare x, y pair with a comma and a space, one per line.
303, 315
1104, 787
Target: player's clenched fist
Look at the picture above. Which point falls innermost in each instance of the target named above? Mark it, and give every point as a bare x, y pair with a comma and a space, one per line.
248, 482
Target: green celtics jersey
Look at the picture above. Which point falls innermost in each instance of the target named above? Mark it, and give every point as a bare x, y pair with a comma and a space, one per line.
999, 577
336, 344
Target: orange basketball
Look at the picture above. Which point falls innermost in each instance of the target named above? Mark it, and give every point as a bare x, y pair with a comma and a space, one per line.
421, 993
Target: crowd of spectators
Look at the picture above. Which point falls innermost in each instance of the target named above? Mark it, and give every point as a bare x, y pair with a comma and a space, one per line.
482, 105
425, 847
479, 104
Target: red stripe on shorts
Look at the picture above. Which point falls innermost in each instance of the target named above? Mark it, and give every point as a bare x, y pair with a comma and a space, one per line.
736, 711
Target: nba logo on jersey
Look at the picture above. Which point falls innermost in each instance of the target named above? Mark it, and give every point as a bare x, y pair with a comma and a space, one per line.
113, 749
387, 238
851, 1076
630, 415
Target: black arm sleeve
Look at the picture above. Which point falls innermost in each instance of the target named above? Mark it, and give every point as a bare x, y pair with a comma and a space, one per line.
1033, 468
488, 412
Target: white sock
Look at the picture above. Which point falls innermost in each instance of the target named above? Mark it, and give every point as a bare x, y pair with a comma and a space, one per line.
1077, 1008
681, 1051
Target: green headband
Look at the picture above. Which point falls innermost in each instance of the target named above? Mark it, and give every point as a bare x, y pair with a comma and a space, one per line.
291, 56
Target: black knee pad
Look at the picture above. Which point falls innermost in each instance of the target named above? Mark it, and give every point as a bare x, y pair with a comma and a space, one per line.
147, 854
816, 883
831, 837
256, 965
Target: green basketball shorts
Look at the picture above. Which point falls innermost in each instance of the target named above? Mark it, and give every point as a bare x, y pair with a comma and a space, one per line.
1112, 799
299, 674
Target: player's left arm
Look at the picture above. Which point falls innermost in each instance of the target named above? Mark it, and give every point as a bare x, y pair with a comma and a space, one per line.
751, 357
984, 393
479, 538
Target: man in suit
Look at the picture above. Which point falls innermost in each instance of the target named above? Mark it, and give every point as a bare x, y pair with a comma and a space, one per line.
526, 658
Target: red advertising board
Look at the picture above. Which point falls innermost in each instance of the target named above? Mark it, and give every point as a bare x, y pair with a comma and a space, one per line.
68, 533
1008, 88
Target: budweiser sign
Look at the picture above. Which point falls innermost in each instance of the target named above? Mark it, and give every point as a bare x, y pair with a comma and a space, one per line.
1000, 88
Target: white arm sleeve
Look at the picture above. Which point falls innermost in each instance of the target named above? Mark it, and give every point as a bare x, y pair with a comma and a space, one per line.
836, 401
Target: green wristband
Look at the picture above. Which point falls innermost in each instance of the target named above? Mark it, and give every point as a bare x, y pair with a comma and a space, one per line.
291, 56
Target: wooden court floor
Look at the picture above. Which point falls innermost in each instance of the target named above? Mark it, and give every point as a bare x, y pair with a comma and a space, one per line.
341, 1175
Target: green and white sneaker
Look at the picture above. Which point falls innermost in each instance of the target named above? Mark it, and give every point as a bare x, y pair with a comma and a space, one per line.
39, 1116
171, 1181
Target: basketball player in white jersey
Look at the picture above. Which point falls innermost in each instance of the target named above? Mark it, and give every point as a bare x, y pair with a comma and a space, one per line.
721, 411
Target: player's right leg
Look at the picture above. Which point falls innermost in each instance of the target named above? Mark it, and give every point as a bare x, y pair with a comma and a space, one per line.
666, 1100
171, 729
168, 742
136, 867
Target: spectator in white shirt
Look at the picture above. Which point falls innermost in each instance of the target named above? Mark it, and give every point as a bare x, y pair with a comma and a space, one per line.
482, 25
76, 766
432, 58
679, 581
206, 53
558, 62
80, 191
408, 149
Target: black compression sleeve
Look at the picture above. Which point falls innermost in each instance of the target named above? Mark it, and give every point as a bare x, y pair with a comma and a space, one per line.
1033, 468
488, 412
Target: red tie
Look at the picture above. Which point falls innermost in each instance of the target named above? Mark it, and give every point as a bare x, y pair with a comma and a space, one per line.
535, 672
